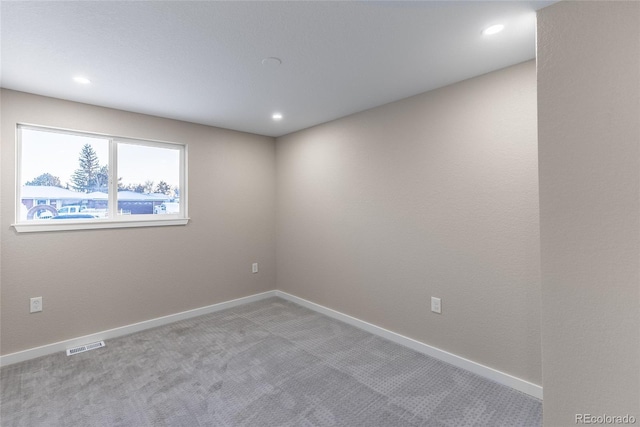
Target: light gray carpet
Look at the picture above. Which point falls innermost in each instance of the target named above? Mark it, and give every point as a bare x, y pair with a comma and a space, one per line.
269, 363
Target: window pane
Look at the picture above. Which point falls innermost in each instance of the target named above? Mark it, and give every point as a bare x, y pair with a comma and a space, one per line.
148, 180
66, 175
63, 176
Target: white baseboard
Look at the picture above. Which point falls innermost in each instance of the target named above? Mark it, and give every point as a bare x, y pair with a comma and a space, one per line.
478, 369
484, 371
44, 350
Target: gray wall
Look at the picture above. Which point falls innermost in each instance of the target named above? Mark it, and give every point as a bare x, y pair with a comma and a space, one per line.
433, 195
589, 149
91, 281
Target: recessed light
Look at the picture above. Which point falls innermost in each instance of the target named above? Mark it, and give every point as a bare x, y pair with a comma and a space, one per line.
276, 116
81, 80
494, 29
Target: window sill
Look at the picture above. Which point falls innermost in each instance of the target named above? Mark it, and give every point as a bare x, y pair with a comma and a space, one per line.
41, 226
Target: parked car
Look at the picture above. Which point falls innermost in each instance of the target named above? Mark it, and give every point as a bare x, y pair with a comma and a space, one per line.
167, 208
70, 210
98, 213
74, 216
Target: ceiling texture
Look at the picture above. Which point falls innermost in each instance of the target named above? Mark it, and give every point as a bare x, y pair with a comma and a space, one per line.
202, 61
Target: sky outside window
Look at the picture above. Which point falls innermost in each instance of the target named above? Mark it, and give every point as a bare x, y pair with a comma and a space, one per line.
58, 154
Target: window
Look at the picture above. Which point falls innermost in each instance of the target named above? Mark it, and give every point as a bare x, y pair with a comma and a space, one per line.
74, 180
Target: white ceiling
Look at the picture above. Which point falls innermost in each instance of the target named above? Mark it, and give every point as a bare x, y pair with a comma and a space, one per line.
202, 61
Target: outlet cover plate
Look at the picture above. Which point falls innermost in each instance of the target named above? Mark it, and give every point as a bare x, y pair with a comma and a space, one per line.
35, 305
436, 305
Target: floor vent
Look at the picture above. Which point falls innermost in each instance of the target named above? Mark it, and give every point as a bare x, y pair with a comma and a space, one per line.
86, 347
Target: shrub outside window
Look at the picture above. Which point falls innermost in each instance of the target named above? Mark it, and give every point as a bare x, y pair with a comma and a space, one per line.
73, 180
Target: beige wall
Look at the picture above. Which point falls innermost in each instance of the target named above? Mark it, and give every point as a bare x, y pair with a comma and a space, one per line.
433, 195
376, 212
589, 148
90, 280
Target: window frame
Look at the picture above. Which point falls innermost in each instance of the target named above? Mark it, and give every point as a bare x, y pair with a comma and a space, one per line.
113, 220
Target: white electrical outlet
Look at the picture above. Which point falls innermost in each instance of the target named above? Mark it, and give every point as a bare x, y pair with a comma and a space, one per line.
436, 305
36, 305
254, 267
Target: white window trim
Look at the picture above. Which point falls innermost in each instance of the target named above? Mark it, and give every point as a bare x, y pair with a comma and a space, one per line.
113, 221
93, 225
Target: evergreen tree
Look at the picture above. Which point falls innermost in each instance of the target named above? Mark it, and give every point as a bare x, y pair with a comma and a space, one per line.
84, 179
